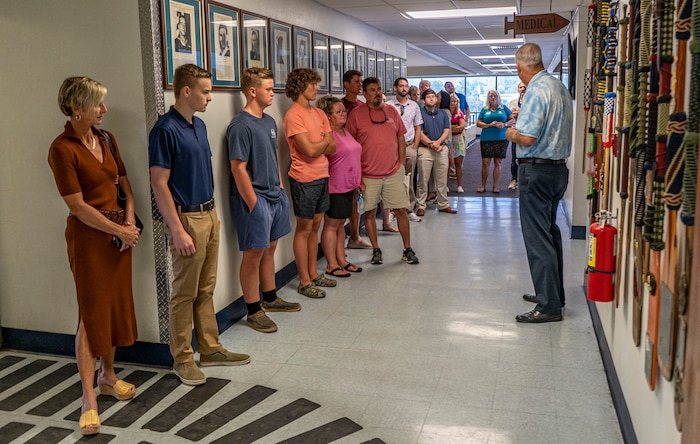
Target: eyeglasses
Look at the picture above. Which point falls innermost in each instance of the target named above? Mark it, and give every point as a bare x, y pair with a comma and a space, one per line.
402, 108
386, 119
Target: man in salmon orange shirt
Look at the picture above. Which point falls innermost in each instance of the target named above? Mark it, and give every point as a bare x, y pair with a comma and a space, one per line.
310, 138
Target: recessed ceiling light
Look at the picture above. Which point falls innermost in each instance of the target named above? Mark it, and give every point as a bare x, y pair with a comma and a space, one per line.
453, 13
485, 42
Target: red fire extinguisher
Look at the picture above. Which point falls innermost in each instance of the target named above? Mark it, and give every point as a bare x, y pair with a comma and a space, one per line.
601, 259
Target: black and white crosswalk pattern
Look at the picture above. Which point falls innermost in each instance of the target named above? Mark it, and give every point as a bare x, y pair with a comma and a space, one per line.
40, 403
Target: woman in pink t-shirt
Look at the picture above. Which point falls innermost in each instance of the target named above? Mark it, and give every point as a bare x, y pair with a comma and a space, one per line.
345, 171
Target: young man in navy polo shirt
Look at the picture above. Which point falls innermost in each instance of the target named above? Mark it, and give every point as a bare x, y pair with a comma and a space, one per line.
183, 185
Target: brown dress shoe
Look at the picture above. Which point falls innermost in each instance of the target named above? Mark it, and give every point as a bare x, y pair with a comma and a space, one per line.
448, 210
420, 212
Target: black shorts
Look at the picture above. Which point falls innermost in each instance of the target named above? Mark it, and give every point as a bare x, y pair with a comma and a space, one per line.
309, 198
341, 205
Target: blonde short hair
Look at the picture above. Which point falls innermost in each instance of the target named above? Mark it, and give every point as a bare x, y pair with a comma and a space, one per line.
83, 92
253, 77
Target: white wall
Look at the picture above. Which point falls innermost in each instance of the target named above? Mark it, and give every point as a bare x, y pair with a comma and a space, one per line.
45, 42
651, 411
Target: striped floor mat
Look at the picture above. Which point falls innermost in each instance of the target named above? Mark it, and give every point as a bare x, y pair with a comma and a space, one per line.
40, 403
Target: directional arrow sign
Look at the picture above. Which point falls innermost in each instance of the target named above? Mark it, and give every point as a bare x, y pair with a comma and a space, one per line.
535, 24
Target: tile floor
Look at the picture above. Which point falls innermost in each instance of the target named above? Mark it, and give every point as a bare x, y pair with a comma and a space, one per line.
431, 353
426, 353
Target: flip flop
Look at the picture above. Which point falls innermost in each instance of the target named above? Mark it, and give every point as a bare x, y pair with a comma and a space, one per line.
89, 418
496, 190
120, 390
480, 190
390, 228
349, 267
334, 272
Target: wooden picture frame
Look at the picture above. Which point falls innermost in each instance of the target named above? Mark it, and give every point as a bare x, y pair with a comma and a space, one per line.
361, 60
335, 65
302, 47
348, 57
223, 45
397, 71
280, 52
182, 35
254, 41
320, 59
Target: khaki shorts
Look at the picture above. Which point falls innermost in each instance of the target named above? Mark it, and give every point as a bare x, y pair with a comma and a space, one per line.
392, 190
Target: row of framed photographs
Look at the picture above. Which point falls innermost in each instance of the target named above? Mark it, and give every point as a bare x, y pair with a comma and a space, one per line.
229, 40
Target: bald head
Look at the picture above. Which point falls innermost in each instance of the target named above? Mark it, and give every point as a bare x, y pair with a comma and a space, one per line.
529, 56
424, 85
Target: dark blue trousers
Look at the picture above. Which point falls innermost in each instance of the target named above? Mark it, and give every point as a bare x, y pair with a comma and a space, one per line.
541, 188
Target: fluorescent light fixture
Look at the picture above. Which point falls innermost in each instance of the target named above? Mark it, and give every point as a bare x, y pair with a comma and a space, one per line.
485, 42
497, 65
508, 56
456, 13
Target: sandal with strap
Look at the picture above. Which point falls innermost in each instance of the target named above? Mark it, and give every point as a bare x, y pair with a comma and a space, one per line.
121, 390
338, 272
352, 268
310, 291
87, 419
322, 281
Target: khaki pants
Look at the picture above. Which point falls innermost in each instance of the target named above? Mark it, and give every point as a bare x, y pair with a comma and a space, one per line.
437, 163
411, 161
193, 288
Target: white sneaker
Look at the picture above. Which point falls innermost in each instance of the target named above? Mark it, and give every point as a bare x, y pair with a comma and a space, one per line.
392, 218
413, 218
513, 184
447, 190
358, 244
460, 190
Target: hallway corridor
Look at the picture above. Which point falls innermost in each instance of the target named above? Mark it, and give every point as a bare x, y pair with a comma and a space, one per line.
403, 354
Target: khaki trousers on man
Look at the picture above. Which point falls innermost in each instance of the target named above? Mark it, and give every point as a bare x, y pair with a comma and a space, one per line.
194, 278
437, 163
411, 161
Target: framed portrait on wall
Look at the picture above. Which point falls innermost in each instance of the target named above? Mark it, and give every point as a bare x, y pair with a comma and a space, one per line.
349, 53
397, 68
371, 63
388, 74
403, 68
254, 41
320, 59
223, 45
182, 36
302, 47
361, 60
381, 72
336, 65
280, 52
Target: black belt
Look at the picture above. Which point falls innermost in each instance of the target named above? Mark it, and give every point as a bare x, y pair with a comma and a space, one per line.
206, 206
538, 161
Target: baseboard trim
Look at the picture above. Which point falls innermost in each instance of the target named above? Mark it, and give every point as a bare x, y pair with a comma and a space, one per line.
618, 396
146, 353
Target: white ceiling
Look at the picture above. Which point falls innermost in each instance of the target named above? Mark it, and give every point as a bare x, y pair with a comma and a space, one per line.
427, 47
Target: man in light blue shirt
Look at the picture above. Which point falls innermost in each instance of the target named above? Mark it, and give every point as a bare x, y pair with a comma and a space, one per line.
543, 135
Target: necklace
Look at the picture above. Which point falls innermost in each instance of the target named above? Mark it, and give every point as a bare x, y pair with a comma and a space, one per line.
92, 148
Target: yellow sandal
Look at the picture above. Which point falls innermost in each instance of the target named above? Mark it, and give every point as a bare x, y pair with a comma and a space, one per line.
87, 419
121, 390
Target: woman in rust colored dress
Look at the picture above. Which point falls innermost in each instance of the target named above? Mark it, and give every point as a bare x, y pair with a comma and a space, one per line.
85, 172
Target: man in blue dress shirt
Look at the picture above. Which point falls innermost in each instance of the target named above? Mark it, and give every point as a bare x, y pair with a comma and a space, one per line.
543, 135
